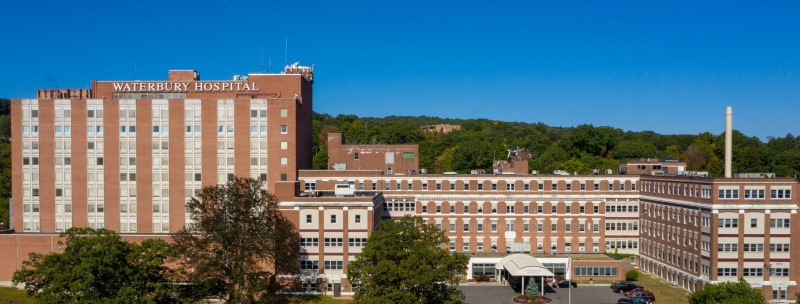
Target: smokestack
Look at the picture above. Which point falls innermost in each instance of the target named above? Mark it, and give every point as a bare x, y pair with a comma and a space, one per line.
728, 141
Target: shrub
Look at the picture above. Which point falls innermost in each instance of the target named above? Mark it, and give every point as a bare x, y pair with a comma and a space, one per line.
632, 275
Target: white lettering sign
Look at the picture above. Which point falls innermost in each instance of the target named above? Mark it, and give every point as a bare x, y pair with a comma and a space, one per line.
183, 87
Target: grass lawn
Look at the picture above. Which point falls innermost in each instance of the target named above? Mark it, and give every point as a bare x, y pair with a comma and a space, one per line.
13, 295
664, 292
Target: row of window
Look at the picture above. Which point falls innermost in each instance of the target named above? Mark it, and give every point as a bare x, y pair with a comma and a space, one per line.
310, 218
734, 223
525, 227
752, 272
755, 193
314, 265
511, 209
596, 271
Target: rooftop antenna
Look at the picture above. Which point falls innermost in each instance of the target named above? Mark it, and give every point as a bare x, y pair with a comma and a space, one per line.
286, 52
261, 62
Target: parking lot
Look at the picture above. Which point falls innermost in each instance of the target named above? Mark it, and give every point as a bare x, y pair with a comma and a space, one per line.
486, 293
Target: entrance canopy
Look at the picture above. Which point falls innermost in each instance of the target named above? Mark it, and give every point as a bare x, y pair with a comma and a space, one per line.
523, 265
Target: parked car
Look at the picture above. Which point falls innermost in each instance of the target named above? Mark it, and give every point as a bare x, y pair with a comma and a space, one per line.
632, 291
615, 283
625, 287
565, 284
632, 301
644, 295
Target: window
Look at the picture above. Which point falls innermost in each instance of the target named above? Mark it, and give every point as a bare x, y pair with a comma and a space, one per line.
333, 218
284, 113
753, 247
509, 209
309, 242
753, 272
452, 227
309, 265
781, 193
568, 209
357, 242
540, 186
554, 209
779, 223
466, 228
466, 186
728, 223
583, 187
452, 208
358, 218
779, 272
479, 228
728, 193
284, 129
333, 242
494, 186
539, 227
334, 265
480, 187
596, 186
728, 247
466, 208
753, 193
554, 186
779, 247
452, 186
581, 209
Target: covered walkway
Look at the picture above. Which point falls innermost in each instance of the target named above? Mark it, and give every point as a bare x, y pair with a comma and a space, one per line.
520, 266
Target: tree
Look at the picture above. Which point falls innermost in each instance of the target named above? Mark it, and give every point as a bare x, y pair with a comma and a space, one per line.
632, 275
97, 266
404, 262
728, 292
237, 242
532, 290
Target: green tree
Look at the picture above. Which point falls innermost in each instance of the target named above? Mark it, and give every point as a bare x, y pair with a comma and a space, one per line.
632, 275
5, 182
97, 266
728, 292
634, 149
532, 290
237, 243
404, 262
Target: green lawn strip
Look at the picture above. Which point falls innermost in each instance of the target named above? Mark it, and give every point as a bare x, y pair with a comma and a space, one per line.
13, 295
665, 293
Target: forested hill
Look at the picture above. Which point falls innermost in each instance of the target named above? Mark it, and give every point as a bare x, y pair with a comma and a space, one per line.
574, 149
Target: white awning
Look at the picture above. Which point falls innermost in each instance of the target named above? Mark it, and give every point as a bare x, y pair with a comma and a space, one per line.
523, 265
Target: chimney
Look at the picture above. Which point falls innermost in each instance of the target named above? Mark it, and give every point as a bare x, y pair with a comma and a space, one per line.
728, 141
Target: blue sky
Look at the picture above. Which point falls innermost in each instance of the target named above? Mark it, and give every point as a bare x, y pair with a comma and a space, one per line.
665, 66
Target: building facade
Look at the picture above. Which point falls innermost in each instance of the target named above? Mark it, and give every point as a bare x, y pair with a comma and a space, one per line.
126, 155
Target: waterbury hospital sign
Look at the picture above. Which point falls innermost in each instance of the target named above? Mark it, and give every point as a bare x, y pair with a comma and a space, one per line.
183, 87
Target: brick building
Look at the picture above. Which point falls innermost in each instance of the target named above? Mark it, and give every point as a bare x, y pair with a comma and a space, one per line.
128, 157
389, 159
